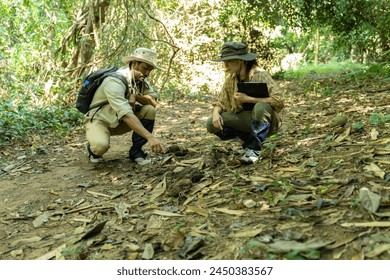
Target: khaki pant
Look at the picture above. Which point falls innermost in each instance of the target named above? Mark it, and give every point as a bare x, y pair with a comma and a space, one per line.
98, 132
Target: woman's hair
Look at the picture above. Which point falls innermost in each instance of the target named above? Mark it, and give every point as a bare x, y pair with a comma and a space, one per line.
250, 64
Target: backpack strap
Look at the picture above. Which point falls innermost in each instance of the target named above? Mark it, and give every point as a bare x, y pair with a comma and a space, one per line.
102, 104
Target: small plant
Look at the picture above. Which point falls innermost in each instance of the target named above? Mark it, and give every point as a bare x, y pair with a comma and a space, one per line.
379, 119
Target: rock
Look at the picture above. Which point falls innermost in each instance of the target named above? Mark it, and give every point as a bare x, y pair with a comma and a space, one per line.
249, 203
338, 120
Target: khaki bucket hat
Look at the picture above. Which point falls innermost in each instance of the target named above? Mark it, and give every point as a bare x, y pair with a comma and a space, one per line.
144, 55
235, 50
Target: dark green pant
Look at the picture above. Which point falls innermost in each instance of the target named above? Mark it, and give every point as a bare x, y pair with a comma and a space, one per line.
262, 112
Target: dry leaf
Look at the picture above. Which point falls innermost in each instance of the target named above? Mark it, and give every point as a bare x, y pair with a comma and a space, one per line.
230, 212
107, 247
374, 134
283, 246
201, 185
200, 211
369, 200
25, 241
98, 194
246, 233
40, 220
378, 250
159, 189
376, 170
148, 252
343, 135
367, 224
167, 214
288, 169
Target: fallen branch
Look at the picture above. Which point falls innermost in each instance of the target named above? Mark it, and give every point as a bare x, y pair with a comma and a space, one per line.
367, 224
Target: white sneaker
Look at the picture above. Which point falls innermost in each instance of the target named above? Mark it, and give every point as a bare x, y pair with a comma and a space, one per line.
95, 159
250, 156
92, 157
142, 161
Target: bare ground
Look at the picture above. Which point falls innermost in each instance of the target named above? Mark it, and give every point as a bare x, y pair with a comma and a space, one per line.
320, 191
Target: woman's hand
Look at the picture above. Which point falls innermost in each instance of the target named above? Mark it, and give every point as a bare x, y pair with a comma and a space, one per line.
217, 120
241, 97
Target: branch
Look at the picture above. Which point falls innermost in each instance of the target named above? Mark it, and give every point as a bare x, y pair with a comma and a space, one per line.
166, 30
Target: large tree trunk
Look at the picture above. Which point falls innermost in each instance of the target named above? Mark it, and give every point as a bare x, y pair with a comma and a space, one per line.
83, 37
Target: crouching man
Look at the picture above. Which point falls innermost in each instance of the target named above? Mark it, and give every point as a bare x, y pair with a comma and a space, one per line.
124, 109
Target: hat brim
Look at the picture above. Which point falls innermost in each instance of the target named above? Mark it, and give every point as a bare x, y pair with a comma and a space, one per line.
127, 59
246, 57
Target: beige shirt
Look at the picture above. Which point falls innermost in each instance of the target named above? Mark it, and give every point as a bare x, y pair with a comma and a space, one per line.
112, 90
226, 98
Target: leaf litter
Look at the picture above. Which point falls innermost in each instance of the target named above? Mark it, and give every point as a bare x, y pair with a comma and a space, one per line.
321, 190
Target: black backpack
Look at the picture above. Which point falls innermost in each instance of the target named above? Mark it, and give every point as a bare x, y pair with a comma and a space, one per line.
91, 84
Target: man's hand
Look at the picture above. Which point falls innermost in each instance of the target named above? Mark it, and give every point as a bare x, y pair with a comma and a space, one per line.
132, 101
137, 75
146, 100
155, 145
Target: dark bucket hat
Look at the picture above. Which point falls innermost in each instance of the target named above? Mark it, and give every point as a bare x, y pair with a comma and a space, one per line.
235, 50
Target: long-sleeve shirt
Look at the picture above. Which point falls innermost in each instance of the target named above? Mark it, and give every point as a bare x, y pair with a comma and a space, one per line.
112, 90
226, 98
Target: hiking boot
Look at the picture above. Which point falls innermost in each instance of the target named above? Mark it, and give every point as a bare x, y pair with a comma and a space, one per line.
250, 156
136, 153
92, 157
142, 161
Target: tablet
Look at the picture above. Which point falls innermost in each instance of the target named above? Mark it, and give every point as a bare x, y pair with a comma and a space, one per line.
254, 89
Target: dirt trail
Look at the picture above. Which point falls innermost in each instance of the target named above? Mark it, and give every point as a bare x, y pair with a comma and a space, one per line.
195, 202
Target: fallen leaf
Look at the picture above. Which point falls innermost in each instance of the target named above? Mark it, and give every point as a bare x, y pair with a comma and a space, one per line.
374, 134
98, 194
40, 220
159, 189
107, 247
379, 249
376, 170
167, 214
367, 224
201, 185
341, 137
25, 241
197, 210
16, 253
230, 212
288, 169
283, 246
94, 230
370, 201
246, 233
148, 252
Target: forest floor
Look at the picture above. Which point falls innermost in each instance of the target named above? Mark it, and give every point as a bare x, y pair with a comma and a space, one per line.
321, 190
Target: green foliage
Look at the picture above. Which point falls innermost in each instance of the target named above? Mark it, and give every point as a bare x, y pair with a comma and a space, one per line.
379, 119
19, 121
324, 69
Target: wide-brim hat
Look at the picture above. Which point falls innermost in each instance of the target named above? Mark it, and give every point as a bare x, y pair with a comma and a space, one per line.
235, 50
144, 55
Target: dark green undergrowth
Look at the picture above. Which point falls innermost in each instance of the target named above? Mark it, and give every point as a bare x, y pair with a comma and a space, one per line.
19, 122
